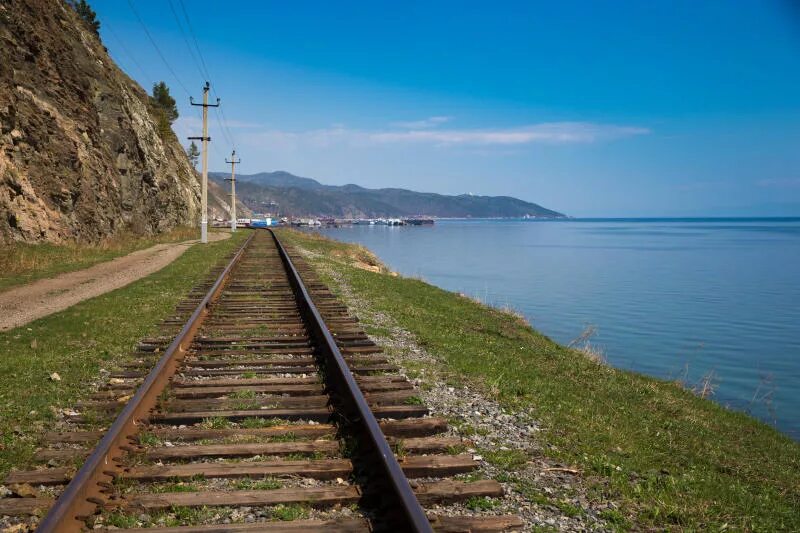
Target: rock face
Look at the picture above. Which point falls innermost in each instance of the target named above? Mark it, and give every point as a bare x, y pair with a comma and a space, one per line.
81, 156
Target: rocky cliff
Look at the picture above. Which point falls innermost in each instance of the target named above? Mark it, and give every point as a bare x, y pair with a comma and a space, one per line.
80, 152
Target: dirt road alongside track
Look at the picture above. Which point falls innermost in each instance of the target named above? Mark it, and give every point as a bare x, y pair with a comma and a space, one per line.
21, 305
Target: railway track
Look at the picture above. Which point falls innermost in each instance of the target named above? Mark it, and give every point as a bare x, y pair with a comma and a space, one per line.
261, 405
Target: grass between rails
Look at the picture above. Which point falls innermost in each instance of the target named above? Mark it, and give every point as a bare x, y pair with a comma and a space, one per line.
673, 460
78, 341
22, 263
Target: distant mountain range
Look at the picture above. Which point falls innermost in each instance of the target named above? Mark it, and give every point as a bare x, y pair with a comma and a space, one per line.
296, 196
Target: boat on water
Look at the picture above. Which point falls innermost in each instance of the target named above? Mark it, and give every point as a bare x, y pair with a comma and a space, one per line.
418, 221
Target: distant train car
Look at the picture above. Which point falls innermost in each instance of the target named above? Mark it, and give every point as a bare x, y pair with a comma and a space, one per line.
260, 223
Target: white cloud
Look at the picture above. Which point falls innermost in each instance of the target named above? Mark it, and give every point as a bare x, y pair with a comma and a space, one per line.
542, 133
243, 125
548, 132
778, 183
187, 126
430, 122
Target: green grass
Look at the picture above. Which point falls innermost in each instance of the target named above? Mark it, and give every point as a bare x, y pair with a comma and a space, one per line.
78, 341
258, 484
121, 520
480, 504
149, 439
413, 400
178, 486
216, 422
255, 422
289, 512
244, 394
22, 263
671, 459
509, 460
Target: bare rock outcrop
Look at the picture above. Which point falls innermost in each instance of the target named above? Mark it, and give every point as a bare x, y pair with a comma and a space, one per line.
81, 155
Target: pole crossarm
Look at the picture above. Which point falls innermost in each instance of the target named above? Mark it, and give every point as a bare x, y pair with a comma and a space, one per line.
205, 101
199, 139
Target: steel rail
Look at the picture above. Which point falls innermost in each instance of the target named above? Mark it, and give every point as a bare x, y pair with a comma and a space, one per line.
85, 492
415, 515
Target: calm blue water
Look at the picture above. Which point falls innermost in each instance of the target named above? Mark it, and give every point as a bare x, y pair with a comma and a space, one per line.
670, 298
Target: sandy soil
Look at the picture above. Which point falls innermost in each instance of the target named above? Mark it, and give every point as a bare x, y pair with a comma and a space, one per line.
21, 305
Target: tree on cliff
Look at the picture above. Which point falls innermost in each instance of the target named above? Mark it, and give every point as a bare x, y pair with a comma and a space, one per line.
194, 154
166, 109
165, 102
85, 11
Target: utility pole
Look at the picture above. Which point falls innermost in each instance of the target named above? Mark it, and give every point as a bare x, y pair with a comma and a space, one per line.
205, 138
232, 179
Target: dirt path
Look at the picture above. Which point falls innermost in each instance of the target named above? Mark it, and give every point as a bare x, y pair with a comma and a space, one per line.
21, 305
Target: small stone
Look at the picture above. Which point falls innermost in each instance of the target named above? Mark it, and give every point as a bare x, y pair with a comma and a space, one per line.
54, 376
144, 517
477, 458
249, 519
24, 490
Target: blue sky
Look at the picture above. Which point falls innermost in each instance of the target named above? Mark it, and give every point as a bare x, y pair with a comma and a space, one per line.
637, 108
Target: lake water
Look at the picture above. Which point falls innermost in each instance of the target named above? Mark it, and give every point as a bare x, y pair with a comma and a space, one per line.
672, 298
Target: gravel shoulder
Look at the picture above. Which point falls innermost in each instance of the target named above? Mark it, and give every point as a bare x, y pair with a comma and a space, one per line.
547, 495
26, 303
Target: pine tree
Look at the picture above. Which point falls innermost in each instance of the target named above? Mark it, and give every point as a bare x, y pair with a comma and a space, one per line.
165, 109
165, 102
194, 154
85, 11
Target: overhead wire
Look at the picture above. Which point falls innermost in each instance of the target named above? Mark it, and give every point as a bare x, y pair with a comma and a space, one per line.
126, 51
158, 50
200, 64
198, 60
219, 112
186, 40
194, 38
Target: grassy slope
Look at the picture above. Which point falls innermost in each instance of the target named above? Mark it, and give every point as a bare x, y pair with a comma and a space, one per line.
675, 460
22, 263
76, 342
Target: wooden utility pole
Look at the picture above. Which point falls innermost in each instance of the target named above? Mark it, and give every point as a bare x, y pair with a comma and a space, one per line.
232, 179
205, 138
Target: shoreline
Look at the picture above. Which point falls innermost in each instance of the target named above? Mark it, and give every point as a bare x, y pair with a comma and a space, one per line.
648, 327
632, 434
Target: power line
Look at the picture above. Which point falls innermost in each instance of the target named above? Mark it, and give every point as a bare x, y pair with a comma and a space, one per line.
223, 129
153, 42
125, 49
194, 38
186, 40
223, 122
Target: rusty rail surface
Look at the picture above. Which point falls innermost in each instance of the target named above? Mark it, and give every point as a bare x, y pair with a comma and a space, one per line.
83, 494
359, 410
